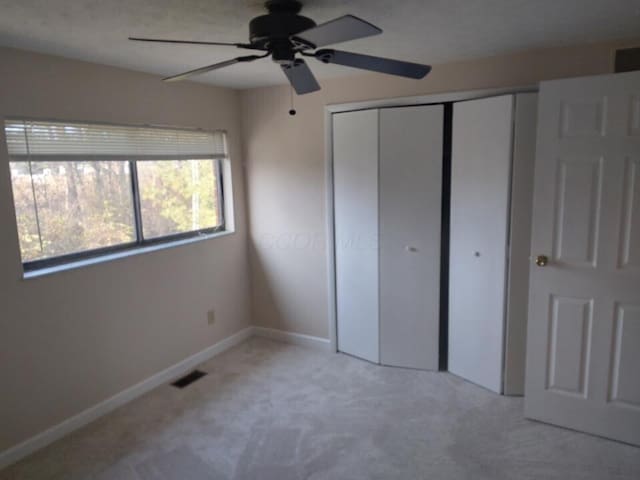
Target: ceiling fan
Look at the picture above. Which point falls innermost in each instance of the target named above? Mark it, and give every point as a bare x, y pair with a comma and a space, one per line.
284, 34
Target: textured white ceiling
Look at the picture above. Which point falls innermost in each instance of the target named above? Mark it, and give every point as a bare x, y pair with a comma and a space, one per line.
430, 31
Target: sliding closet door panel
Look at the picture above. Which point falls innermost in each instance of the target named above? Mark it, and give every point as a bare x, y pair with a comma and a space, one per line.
411, 140
480, 189
355, 166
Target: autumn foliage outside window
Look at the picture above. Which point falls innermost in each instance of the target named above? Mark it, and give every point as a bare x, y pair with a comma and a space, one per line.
85, 189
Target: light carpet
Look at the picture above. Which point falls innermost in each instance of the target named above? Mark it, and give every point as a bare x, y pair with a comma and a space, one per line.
272, 411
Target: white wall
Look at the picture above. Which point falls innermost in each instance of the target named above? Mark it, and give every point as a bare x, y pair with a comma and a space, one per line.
72, 339
286, 160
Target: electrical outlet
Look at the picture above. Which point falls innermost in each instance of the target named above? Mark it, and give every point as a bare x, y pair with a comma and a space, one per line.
211, 317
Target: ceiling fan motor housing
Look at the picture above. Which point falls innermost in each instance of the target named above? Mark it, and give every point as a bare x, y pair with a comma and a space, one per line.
273, 31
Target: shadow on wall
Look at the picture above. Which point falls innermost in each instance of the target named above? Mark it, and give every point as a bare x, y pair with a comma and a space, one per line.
262, 294
276, 269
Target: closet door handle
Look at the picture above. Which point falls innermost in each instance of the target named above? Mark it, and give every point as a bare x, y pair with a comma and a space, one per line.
411, 248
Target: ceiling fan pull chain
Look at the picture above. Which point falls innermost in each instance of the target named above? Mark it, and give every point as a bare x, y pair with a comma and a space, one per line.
292, 111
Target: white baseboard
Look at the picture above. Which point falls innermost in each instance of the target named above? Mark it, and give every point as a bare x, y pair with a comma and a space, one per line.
294, 338
52, 434
67, 426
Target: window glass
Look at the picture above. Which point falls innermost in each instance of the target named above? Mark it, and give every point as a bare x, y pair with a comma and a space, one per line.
68, 207
178, 196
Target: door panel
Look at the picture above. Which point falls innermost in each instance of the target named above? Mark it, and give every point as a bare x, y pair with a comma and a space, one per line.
480, 186
579, 185
355, 167
630, 230
625, 387
583, 117
583, 339
569, 346
411, 141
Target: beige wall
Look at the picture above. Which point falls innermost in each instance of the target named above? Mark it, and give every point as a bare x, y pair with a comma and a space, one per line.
286, 160
72, 339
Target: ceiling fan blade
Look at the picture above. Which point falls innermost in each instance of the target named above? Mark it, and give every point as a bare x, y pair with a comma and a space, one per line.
189, 42
301, 77
209, 68
338, 30
376, 64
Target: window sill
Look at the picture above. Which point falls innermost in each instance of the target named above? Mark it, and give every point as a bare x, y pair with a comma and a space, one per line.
123, 254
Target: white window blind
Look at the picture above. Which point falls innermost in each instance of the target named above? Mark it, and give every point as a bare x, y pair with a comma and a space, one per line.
53, 140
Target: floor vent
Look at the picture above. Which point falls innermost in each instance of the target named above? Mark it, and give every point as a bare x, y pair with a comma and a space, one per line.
188, 379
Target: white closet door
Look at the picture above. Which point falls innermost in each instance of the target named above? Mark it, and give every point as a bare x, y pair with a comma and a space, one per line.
480, 189
411, 141
524, 154
355, 167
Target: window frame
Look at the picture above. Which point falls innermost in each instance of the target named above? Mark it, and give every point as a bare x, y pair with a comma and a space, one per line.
140, 243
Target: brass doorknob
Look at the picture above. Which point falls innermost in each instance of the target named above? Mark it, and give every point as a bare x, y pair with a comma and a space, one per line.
542, 260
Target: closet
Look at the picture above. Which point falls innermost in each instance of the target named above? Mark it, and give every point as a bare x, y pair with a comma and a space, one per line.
387, 168
405, 179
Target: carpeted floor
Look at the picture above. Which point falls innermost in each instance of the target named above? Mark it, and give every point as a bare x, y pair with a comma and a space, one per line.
272, 411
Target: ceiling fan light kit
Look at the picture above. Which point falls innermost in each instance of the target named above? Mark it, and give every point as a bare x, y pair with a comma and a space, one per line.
285, 35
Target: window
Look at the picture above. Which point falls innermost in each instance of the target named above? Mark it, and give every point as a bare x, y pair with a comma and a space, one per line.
178, 196
84, 190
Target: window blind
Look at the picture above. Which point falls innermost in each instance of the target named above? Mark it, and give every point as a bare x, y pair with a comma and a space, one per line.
54, 140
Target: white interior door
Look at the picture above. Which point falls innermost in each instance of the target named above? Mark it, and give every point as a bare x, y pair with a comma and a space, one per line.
583, 339
411, 140
355, 168
480, 188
